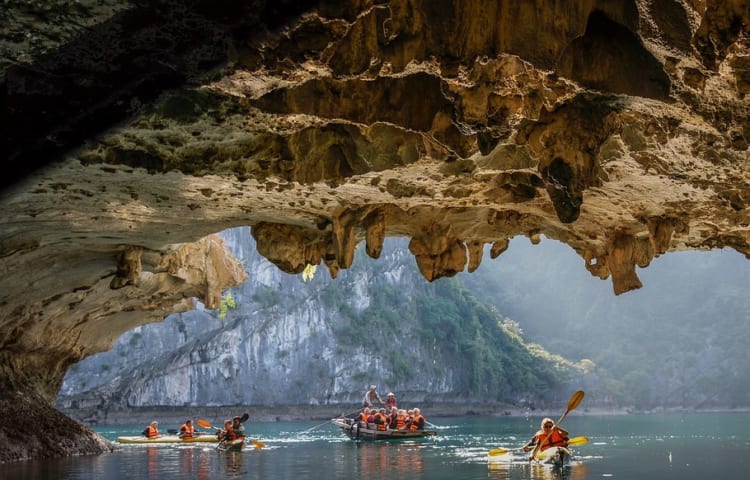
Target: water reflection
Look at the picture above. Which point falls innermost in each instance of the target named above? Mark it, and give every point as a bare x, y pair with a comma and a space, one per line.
505, 470
194, 463
233, 462
152, 462
379, 460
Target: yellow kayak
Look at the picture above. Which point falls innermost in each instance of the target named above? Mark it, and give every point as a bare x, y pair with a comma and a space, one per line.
167, 439
557, 456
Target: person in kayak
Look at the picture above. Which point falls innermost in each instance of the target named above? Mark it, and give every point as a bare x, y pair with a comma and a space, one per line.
238, 428
187, 430
227, 433
549, 436
152, 431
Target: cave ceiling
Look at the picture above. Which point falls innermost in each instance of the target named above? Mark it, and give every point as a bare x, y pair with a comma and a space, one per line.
133, 131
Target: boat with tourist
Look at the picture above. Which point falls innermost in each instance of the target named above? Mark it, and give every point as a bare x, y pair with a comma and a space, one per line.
357, 430
165, 439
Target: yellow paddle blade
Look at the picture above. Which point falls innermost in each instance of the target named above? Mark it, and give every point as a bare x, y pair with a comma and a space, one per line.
575, 400
204, 423
498, 451
577, 441
258, 443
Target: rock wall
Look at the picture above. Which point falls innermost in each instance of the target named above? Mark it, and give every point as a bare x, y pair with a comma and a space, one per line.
135, 129
282, 345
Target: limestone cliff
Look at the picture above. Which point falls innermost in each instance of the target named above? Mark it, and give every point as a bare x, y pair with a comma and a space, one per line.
320, 342
137, 128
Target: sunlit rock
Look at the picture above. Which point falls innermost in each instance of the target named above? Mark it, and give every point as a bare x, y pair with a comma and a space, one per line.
619, 128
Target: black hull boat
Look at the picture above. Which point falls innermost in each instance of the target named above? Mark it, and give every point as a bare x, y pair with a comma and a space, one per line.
357, 430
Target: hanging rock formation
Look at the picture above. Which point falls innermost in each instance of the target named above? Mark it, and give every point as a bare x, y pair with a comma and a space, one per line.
135, 130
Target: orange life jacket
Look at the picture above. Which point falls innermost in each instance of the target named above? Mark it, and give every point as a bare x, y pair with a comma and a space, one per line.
187, 431
556, 439
401, 422
414, 425
151, 432
382, 424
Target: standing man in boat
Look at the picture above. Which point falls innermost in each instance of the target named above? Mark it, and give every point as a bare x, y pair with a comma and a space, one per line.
549, 436
390, 401
370, 396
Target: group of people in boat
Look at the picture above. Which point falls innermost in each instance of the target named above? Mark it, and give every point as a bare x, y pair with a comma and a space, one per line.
388, 416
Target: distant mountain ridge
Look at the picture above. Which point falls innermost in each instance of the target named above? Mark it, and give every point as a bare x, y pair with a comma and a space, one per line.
680, 341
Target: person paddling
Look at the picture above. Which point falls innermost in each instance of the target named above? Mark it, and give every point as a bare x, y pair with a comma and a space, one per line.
550, 435
152, 431
226, 434
187, 430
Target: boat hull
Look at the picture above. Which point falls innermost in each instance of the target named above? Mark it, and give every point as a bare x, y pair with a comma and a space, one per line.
555, 456
358, 431
232, 445
140, 439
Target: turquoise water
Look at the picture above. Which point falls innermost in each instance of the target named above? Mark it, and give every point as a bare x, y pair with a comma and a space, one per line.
693, 446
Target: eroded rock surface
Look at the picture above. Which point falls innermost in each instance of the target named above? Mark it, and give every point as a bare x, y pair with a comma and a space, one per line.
617, 127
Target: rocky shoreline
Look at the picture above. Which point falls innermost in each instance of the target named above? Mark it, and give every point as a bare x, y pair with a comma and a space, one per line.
280, 413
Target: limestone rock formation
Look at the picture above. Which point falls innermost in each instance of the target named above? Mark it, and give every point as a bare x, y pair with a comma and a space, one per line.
138, 128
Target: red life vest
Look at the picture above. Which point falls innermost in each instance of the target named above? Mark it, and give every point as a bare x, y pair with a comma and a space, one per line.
382, 423
187, 431
401, 422
151, 432
556, 439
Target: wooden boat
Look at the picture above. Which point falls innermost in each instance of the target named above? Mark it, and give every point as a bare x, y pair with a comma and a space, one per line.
231, 445
360, 431
140, 439
554, 456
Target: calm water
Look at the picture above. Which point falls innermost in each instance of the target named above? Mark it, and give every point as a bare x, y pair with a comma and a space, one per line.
696, 446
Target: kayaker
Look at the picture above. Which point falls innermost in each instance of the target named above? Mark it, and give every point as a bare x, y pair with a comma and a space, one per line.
152, 431
549, 436
227, 433
370, 396
187, 430
238, 428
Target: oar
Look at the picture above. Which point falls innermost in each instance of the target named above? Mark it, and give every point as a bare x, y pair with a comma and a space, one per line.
573, 442
343, 415
574, 401
243, 418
